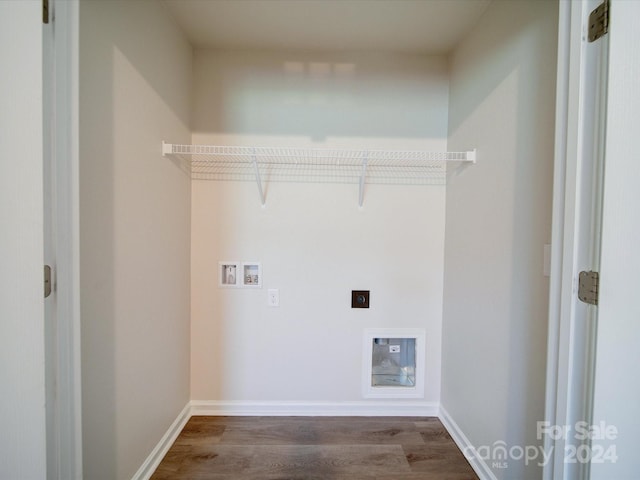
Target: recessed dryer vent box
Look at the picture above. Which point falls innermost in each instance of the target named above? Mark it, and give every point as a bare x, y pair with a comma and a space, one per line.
393, 363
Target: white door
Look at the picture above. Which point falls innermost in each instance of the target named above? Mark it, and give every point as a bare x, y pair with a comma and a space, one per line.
616, 418
22, 375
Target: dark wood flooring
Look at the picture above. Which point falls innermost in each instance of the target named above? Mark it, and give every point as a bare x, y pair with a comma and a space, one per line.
314, 448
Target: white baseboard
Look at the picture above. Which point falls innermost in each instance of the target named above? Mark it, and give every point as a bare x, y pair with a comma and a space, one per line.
365, 409
477, 463
157, 454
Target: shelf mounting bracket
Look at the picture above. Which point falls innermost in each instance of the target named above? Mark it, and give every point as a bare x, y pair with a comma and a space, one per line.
256, 169
363, 175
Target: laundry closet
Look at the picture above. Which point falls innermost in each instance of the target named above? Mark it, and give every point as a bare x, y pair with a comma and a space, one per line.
220, 280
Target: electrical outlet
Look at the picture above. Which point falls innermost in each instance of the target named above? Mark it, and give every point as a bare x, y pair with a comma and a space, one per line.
360, 299
394, 348
273, 297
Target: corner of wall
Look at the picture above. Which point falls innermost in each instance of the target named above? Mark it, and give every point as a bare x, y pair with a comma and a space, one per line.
498, 219
134, 231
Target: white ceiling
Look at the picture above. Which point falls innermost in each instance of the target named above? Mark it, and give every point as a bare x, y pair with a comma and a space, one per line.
417, 26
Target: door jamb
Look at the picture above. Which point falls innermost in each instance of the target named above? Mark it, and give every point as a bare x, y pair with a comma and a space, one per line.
569, 355
64, 178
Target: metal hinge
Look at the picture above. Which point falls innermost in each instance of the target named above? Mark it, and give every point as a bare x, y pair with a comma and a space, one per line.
599, 21
45, 11
47, 281
588, 284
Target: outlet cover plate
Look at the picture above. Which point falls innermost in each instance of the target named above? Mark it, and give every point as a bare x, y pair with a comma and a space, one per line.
273, 297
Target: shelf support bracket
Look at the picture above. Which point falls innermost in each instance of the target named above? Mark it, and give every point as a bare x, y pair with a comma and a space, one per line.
167, 149
256, 169
363, 175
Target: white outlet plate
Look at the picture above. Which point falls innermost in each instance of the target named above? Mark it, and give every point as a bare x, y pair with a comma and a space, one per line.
273, 297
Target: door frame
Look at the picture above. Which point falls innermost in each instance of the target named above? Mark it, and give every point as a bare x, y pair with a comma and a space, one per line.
64, 394
577, 213
567, 204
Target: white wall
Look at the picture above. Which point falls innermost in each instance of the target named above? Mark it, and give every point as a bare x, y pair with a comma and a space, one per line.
135, 74
22, 402
314, 243
498, 219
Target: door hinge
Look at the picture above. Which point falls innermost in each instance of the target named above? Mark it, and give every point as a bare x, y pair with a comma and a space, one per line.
599, 21
588, 285
47, 281
45, 11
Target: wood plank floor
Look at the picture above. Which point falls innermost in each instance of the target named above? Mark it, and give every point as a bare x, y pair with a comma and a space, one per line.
314, 448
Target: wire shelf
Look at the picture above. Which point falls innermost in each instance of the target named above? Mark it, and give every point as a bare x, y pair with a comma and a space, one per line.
290, 164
